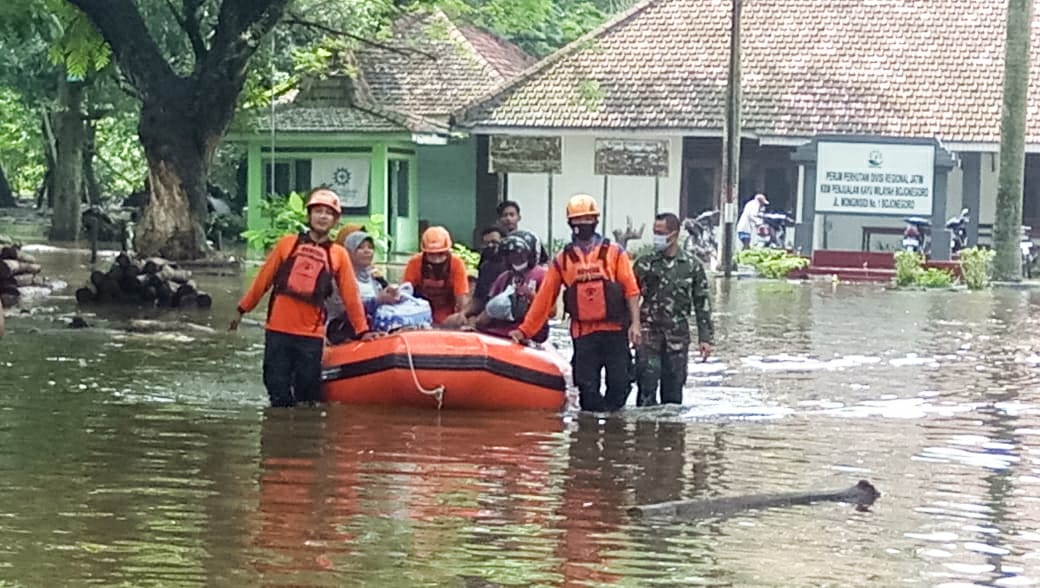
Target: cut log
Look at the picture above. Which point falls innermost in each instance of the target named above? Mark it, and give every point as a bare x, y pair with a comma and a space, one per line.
9, 289
187, 300
11, 267
203, 300
154, 265
8, 300
15, 252
124, 260
174, 275
85, 296
148, 294
28, 280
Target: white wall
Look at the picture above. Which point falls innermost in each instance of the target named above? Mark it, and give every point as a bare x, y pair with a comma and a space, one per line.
988, 194
626, 196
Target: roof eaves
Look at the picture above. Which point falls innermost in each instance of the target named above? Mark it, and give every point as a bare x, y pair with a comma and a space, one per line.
571, 48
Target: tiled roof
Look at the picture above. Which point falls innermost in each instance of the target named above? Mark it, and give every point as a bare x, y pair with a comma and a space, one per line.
428, 68
341, 119
436, 66
894, 67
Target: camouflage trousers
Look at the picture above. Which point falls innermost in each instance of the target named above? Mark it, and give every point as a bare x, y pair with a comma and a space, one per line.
663, 359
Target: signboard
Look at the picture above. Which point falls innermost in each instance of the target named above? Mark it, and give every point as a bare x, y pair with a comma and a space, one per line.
525, 155
875, 178
346, 177
622, 157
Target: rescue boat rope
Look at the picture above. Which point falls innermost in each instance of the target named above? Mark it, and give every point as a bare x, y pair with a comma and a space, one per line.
437, 391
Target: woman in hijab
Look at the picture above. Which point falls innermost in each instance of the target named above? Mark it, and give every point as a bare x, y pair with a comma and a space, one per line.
374, 290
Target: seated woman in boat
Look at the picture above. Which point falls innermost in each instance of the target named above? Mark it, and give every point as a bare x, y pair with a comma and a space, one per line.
438, 275
373, 288
512, 292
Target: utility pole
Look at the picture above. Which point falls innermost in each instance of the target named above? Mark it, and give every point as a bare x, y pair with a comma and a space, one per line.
1007, 265
731, 144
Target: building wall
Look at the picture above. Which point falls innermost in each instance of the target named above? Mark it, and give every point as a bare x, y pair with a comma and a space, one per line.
447, 187
627, 196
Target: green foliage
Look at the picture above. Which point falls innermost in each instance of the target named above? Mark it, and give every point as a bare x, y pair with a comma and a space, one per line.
933, 278
288, 215
76, 43
910, 271
771, 263
976, 267
469, 257
21, 150
119, 162
908, 265
536, 26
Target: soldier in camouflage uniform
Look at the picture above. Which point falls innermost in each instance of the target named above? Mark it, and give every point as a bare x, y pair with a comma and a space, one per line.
673, 285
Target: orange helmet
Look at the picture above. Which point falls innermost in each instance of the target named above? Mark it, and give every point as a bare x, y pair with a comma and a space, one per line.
436, 240
325, 197
582, 205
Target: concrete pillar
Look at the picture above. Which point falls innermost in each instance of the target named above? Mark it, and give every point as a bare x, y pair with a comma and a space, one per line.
940, 236
971, 163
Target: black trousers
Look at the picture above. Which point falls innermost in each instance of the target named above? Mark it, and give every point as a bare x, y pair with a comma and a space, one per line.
292, 368
593, 353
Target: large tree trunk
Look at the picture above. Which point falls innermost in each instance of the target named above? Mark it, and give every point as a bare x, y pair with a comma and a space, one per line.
6, 194
68, 170
1006, 229
179, 149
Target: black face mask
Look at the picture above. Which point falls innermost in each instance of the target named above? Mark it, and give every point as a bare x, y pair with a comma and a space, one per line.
489, 251
583, 232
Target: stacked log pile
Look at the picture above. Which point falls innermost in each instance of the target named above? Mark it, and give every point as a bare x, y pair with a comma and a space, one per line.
153, 281
18, 270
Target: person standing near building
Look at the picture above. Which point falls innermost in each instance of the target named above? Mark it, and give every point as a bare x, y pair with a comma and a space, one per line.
602, 299
673, 285
301, 269
751, 218
438, 275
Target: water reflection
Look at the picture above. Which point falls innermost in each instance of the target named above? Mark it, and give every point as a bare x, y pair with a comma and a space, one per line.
146, 460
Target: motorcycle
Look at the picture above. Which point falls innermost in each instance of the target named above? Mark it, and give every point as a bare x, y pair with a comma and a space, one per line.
772, 233
917, 235
1029, 252
958, 227
701, 242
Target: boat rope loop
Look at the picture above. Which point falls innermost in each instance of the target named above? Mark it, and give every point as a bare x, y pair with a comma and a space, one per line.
437, 391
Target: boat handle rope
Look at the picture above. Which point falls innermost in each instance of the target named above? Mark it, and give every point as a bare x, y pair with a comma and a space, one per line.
437, 391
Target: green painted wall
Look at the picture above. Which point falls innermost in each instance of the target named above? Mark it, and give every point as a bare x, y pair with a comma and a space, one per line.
447, 187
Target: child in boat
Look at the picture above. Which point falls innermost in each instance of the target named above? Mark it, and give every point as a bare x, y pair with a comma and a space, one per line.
512, 292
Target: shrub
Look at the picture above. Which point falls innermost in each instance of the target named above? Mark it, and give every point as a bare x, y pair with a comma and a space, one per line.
933, 278
469, 257
976, 267
771, 263
908, 265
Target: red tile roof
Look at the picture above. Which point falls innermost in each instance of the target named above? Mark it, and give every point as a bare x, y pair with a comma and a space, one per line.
437, 66
894, 67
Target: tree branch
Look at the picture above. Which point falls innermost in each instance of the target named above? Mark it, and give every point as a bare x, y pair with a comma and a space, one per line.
138, 56
187, 19
295, 20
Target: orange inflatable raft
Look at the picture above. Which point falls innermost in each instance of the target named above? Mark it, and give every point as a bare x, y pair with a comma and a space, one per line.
443, 369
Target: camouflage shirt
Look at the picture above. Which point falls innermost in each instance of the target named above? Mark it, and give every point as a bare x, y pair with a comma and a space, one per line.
672, 288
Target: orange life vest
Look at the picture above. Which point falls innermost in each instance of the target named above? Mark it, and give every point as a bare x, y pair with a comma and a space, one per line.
436, 286
307, 273
592, 295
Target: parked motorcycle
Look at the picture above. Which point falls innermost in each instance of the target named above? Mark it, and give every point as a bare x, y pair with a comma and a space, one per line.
772, 233
917, 236
958, 227
700, 241
1029, 252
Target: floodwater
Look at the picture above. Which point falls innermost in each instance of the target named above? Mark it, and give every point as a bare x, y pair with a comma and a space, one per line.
150, 460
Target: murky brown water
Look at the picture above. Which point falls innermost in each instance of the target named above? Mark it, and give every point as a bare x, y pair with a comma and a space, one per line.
151, 460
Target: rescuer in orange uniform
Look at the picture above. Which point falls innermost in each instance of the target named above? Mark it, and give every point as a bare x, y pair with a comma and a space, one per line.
438, 275
301, 268
602, 299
